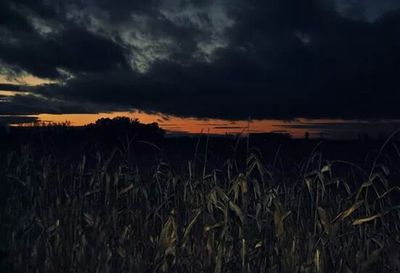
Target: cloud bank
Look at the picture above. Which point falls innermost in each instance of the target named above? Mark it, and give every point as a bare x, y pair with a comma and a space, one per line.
209, 59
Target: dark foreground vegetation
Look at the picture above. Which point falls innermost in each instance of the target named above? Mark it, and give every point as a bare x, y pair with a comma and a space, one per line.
119, 197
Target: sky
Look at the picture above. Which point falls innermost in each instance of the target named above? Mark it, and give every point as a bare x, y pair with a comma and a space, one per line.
285, 65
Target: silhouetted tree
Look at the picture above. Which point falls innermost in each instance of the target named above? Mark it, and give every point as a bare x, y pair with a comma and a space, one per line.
109, 130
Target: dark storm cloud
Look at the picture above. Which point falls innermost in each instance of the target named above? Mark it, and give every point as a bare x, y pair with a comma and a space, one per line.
277, 59
368, 10
121, 10
11, 18
31, 105
74, 49
17, 119
348, 129
12, 87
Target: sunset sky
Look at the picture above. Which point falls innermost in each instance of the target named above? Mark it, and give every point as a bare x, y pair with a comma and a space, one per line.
194, 66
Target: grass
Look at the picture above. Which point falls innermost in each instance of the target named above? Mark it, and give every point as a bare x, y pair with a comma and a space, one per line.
107, 214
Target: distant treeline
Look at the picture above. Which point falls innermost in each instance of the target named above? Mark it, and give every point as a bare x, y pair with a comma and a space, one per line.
105, 131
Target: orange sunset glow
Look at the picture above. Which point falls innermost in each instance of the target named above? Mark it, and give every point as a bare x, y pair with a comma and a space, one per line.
25, 79
174, 124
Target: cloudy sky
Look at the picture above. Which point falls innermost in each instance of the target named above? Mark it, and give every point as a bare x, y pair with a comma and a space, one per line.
214, 59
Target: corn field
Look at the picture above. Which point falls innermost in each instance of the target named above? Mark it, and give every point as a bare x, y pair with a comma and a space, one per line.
111, 215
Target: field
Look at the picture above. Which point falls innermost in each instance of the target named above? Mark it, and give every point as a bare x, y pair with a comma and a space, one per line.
123, 201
